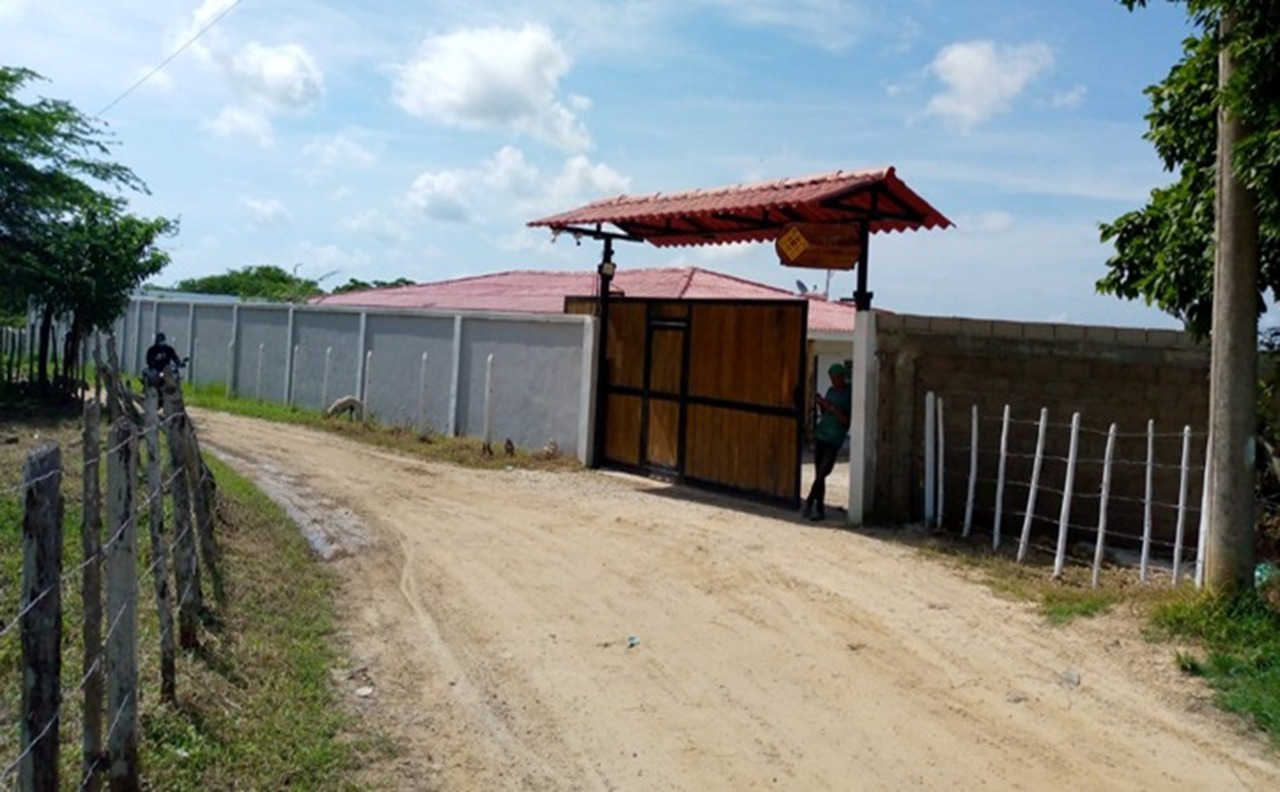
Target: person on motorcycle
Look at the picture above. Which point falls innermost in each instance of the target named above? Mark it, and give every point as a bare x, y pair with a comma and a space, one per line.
159, 357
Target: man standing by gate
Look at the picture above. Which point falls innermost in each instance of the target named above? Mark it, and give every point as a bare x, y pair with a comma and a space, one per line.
828, 435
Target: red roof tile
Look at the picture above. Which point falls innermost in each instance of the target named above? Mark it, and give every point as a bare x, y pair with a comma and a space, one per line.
525, 291
758, 212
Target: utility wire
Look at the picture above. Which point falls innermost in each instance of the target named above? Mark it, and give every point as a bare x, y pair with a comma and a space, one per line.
194, 38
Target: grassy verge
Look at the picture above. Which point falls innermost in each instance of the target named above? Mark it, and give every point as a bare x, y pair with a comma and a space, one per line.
464, 451
1238, 638
256, 706
1239, 655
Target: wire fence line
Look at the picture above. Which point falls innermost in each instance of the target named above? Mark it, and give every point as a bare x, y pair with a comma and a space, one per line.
107, 688
1122, 491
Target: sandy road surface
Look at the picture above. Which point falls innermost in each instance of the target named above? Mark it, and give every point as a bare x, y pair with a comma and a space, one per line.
491, 613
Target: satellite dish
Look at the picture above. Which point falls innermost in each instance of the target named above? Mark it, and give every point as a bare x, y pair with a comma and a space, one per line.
801, 287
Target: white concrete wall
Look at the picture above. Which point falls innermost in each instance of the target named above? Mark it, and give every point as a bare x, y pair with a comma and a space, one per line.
542, 363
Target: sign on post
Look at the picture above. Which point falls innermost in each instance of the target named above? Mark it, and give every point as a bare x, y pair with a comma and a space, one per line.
820, 246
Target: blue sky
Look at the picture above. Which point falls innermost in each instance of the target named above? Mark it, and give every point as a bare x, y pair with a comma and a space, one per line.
386, 139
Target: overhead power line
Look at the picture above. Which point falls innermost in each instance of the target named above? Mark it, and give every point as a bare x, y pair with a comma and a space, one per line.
194, 38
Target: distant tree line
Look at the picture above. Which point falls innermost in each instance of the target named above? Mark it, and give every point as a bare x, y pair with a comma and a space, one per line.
269, 282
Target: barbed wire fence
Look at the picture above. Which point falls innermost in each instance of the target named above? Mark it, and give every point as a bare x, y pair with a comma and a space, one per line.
1143, 490
106, 688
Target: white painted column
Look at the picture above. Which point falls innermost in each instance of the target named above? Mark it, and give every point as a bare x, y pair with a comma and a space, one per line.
191, 332
233, 351
862, 420
587, 396
361, 349
455, 376
291, 350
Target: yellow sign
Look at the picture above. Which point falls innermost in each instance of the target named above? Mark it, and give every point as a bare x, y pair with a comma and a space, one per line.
792, 244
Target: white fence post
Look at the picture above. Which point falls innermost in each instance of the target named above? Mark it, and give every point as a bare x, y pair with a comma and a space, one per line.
365, 390
973, 471
1203, 538
930, 457
488, 403
942, 463
1035, 482
324, 382
1004, 452
455, 377
231, 368
1179, 533
257, 386
1068, 485
1102, 506
191, 360
422, 398
1146, 511
293, 374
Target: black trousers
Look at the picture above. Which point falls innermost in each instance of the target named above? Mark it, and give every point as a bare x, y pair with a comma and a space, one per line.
824, 461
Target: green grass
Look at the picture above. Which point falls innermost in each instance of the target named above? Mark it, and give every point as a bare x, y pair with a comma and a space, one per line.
1239, 653
256, 706
463, 451
1059, 601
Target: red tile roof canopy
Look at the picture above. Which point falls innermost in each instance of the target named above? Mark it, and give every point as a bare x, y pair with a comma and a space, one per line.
756, 212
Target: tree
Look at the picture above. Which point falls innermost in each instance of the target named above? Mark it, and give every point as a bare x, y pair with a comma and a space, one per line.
355, 284
266, 282
54, 182
1229, 75
1165, 250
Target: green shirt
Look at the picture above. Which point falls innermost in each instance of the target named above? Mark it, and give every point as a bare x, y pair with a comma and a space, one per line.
831, 428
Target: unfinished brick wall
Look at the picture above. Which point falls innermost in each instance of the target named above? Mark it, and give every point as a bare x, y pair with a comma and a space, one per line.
1106, 374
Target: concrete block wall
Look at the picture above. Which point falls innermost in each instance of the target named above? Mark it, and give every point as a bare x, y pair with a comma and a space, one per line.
1106, 374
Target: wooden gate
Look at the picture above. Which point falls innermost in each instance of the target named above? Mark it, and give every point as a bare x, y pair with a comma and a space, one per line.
708, 392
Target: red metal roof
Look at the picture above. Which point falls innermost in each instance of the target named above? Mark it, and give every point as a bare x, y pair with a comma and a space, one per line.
757, 212
525, 291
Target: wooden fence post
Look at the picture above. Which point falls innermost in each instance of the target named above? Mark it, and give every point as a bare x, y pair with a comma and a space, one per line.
200, 482
91, 594
1029, 515
159, 546
122, 610
41, 620
186, 567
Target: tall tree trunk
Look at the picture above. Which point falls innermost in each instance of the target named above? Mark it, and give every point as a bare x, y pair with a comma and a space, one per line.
1230, 545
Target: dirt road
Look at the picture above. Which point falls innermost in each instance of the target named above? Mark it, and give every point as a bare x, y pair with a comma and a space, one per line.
528, 630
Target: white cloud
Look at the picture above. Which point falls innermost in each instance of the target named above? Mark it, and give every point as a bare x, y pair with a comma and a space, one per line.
442, 196
322, 262
986, 223
582, 180
339, 150
507, 183
204, 15
831, 24
982, 78
266, 211
510, 172
1072, 98
242, 122
376, 225
285, 76
494, 78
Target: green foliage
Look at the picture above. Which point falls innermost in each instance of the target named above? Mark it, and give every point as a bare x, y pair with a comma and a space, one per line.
266, 282
66, 240
1164, 251
1241, 639
355, 284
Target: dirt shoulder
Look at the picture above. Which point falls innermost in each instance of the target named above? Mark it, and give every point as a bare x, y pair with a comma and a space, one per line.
527, 630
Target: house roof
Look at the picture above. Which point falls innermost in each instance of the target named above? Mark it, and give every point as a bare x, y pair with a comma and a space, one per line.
757, 212
527, 291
